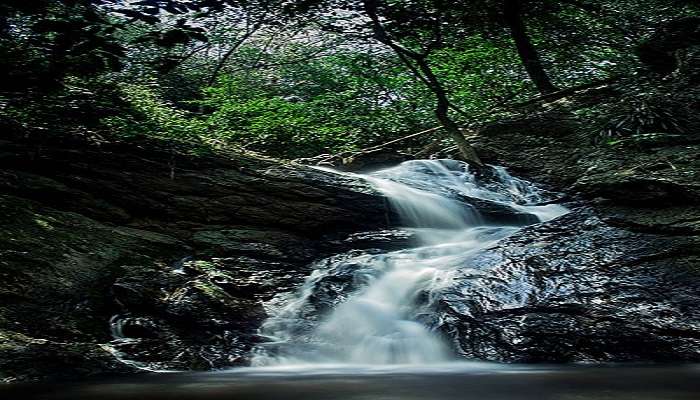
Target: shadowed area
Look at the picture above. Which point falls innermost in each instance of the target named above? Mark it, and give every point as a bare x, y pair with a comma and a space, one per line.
464, 381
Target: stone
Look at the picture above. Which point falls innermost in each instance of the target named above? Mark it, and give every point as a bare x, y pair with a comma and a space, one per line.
577, 289
96, 239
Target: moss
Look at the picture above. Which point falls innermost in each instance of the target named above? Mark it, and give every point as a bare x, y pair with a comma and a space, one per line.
11, 340
56, 269
204, 267
213, 291
44, 224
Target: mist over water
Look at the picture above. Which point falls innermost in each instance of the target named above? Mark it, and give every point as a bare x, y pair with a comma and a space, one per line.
382, 300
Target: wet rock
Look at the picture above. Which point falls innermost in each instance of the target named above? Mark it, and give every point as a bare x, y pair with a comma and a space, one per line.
253, 278
202, 302
387, 239
265, 244
343, 274
666, 176
611, 283
370, 161
493, 212
577, 289
24, 358
678, 220
136, 328
97, 237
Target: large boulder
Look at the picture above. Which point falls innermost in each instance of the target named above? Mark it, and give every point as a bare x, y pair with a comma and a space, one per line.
177, 194
650, 182
55, 274
577, 289
118, 259
616, 280
658, 51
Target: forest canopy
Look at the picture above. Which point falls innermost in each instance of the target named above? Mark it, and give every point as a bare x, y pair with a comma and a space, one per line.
300, 78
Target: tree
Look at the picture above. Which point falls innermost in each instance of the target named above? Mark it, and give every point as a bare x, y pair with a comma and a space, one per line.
252, 71
42, 42
417, 61
512, 14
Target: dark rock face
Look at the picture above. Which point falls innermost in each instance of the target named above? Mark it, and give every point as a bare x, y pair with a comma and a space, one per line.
363, 161
134, 187
658, 50
577, 289
497, 213
387, 239
618, 280
651, 186
122, 254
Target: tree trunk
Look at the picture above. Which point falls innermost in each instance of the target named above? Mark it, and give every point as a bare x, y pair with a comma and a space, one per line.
421, 69
442, 112
465, 149
526, 50
224, 59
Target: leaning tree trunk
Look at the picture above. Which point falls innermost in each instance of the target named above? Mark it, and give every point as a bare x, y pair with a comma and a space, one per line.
421, 69
526, 50
442, 113
465, 149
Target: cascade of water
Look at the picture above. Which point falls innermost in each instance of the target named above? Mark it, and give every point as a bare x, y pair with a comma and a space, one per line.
378, 301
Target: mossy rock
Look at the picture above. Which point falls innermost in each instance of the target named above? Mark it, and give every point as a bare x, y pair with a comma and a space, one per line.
56, 269
23, 358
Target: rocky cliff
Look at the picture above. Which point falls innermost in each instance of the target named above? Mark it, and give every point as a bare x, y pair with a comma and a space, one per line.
172, 256
617, 279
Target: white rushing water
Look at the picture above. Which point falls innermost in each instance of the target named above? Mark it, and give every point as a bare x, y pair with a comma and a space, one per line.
373, 308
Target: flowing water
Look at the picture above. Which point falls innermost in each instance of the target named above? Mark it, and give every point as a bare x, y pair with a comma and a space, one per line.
383, 300
360, 328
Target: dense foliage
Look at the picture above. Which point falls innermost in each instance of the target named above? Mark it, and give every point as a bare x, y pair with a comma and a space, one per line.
295, 79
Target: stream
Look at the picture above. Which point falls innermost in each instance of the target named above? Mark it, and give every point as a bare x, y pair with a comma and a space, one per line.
362, 325
380, 303
464, 381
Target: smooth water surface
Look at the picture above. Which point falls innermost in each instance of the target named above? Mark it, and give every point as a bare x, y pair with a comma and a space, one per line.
463, 381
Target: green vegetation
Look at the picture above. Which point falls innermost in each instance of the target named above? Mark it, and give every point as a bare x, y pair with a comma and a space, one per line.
298, 79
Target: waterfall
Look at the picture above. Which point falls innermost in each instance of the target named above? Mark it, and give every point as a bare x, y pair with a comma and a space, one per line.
374, 307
